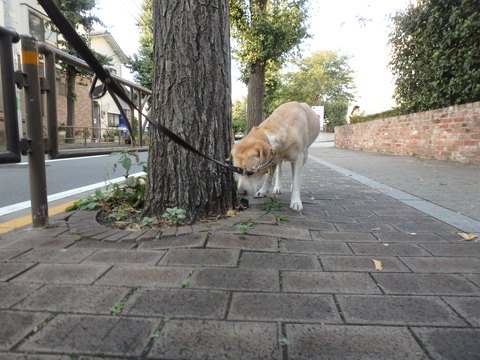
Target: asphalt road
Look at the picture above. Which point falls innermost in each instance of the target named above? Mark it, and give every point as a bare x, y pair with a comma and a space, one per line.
62, 175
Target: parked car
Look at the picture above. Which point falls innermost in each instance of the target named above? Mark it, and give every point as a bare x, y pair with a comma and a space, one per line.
239, 135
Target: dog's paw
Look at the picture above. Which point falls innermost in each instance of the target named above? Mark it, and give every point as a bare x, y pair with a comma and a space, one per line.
277, 190
260, 194
296, 205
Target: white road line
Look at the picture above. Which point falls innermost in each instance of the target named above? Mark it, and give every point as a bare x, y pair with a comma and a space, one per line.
61, 195
66, 159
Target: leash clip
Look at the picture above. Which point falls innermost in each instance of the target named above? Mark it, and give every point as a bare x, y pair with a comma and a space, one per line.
104, 89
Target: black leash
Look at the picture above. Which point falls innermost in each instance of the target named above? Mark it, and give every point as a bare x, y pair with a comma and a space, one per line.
111, 86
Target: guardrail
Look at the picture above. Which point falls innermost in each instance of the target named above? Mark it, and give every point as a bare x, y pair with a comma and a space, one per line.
35, 87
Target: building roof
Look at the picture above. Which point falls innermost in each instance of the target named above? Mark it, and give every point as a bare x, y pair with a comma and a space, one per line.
111, 41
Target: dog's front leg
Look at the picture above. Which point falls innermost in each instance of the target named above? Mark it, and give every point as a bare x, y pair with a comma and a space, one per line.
277, 188
268, 182
296, 201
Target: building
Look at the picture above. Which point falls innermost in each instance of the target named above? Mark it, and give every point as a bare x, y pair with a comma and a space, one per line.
102, 116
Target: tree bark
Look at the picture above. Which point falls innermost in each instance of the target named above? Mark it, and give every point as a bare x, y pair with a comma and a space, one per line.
71, 78
256, 94
192, 97
256, 81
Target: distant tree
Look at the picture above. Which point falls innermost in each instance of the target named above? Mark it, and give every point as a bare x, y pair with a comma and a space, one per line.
192, 97
239, 115
323, 77
78, 12
142, 63
335, 114
266, 31
435, 54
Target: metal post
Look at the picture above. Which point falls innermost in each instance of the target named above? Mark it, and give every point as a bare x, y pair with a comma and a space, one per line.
36, 157
9, 95
51, 102
140, 127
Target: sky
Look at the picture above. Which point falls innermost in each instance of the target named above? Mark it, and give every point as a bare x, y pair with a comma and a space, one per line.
356, 28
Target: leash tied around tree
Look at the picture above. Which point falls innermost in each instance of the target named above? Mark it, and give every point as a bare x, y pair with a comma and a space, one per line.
116, 91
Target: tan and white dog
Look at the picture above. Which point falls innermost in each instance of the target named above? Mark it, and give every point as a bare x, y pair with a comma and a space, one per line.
285, 135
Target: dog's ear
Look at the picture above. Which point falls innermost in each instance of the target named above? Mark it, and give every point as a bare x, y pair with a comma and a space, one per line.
260, 152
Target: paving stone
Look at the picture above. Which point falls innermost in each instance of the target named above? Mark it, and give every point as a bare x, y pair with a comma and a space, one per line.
334, 342
443, 264
113, 336
136, 275
328, 282
9, 270
450, 344
453, 249
280, 232
247, 242
63, 274
361, 263
184, 241
278, 261
309, 224
60, 256
12, 356
11, 293
394, 249
384, 228
475, 278
428, 226
16, 325
42, 242
409, 237
126, 257
339, 236
99, 244
202, 257
133, 235
314, 247
283, 307
219, 340
236, 279
468, 307
7, 254
113, 233
397, 310
183, 303
426, 284
73, 299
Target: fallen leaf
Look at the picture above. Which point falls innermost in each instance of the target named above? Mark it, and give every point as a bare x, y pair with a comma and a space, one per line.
231, 213
375, 229
467, 237
378, 265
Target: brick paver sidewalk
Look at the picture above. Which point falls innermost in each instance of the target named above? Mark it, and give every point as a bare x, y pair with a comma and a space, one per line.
293, 286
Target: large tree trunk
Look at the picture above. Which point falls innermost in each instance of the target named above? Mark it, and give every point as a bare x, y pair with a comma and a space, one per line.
256, 94
192, 97
71, 76
256, 80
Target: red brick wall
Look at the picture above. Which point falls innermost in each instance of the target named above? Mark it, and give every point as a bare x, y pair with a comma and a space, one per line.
451, 133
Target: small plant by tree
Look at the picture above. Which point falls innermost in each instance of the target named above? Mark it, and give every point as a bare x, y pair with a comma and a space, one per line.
174, 216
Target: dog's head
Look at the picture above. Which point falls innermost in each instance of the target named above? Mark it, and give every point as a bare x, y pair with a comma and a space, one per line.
249, 152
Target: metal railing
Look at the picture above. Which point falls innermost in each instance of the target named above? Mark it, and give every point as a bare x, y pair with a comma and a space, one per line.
12, 139
35, 88
137, 92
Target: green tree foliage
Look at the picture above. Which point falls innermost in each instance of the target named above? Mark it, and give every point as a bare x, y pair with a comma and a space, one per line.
324, 77
335, 114
266, 31
142, 63
435, 54
239, 115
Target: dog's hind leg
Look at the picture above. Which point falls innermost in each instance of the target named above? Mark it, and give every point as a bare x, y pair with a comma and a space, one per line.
296, 201
277, 188
268, 182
